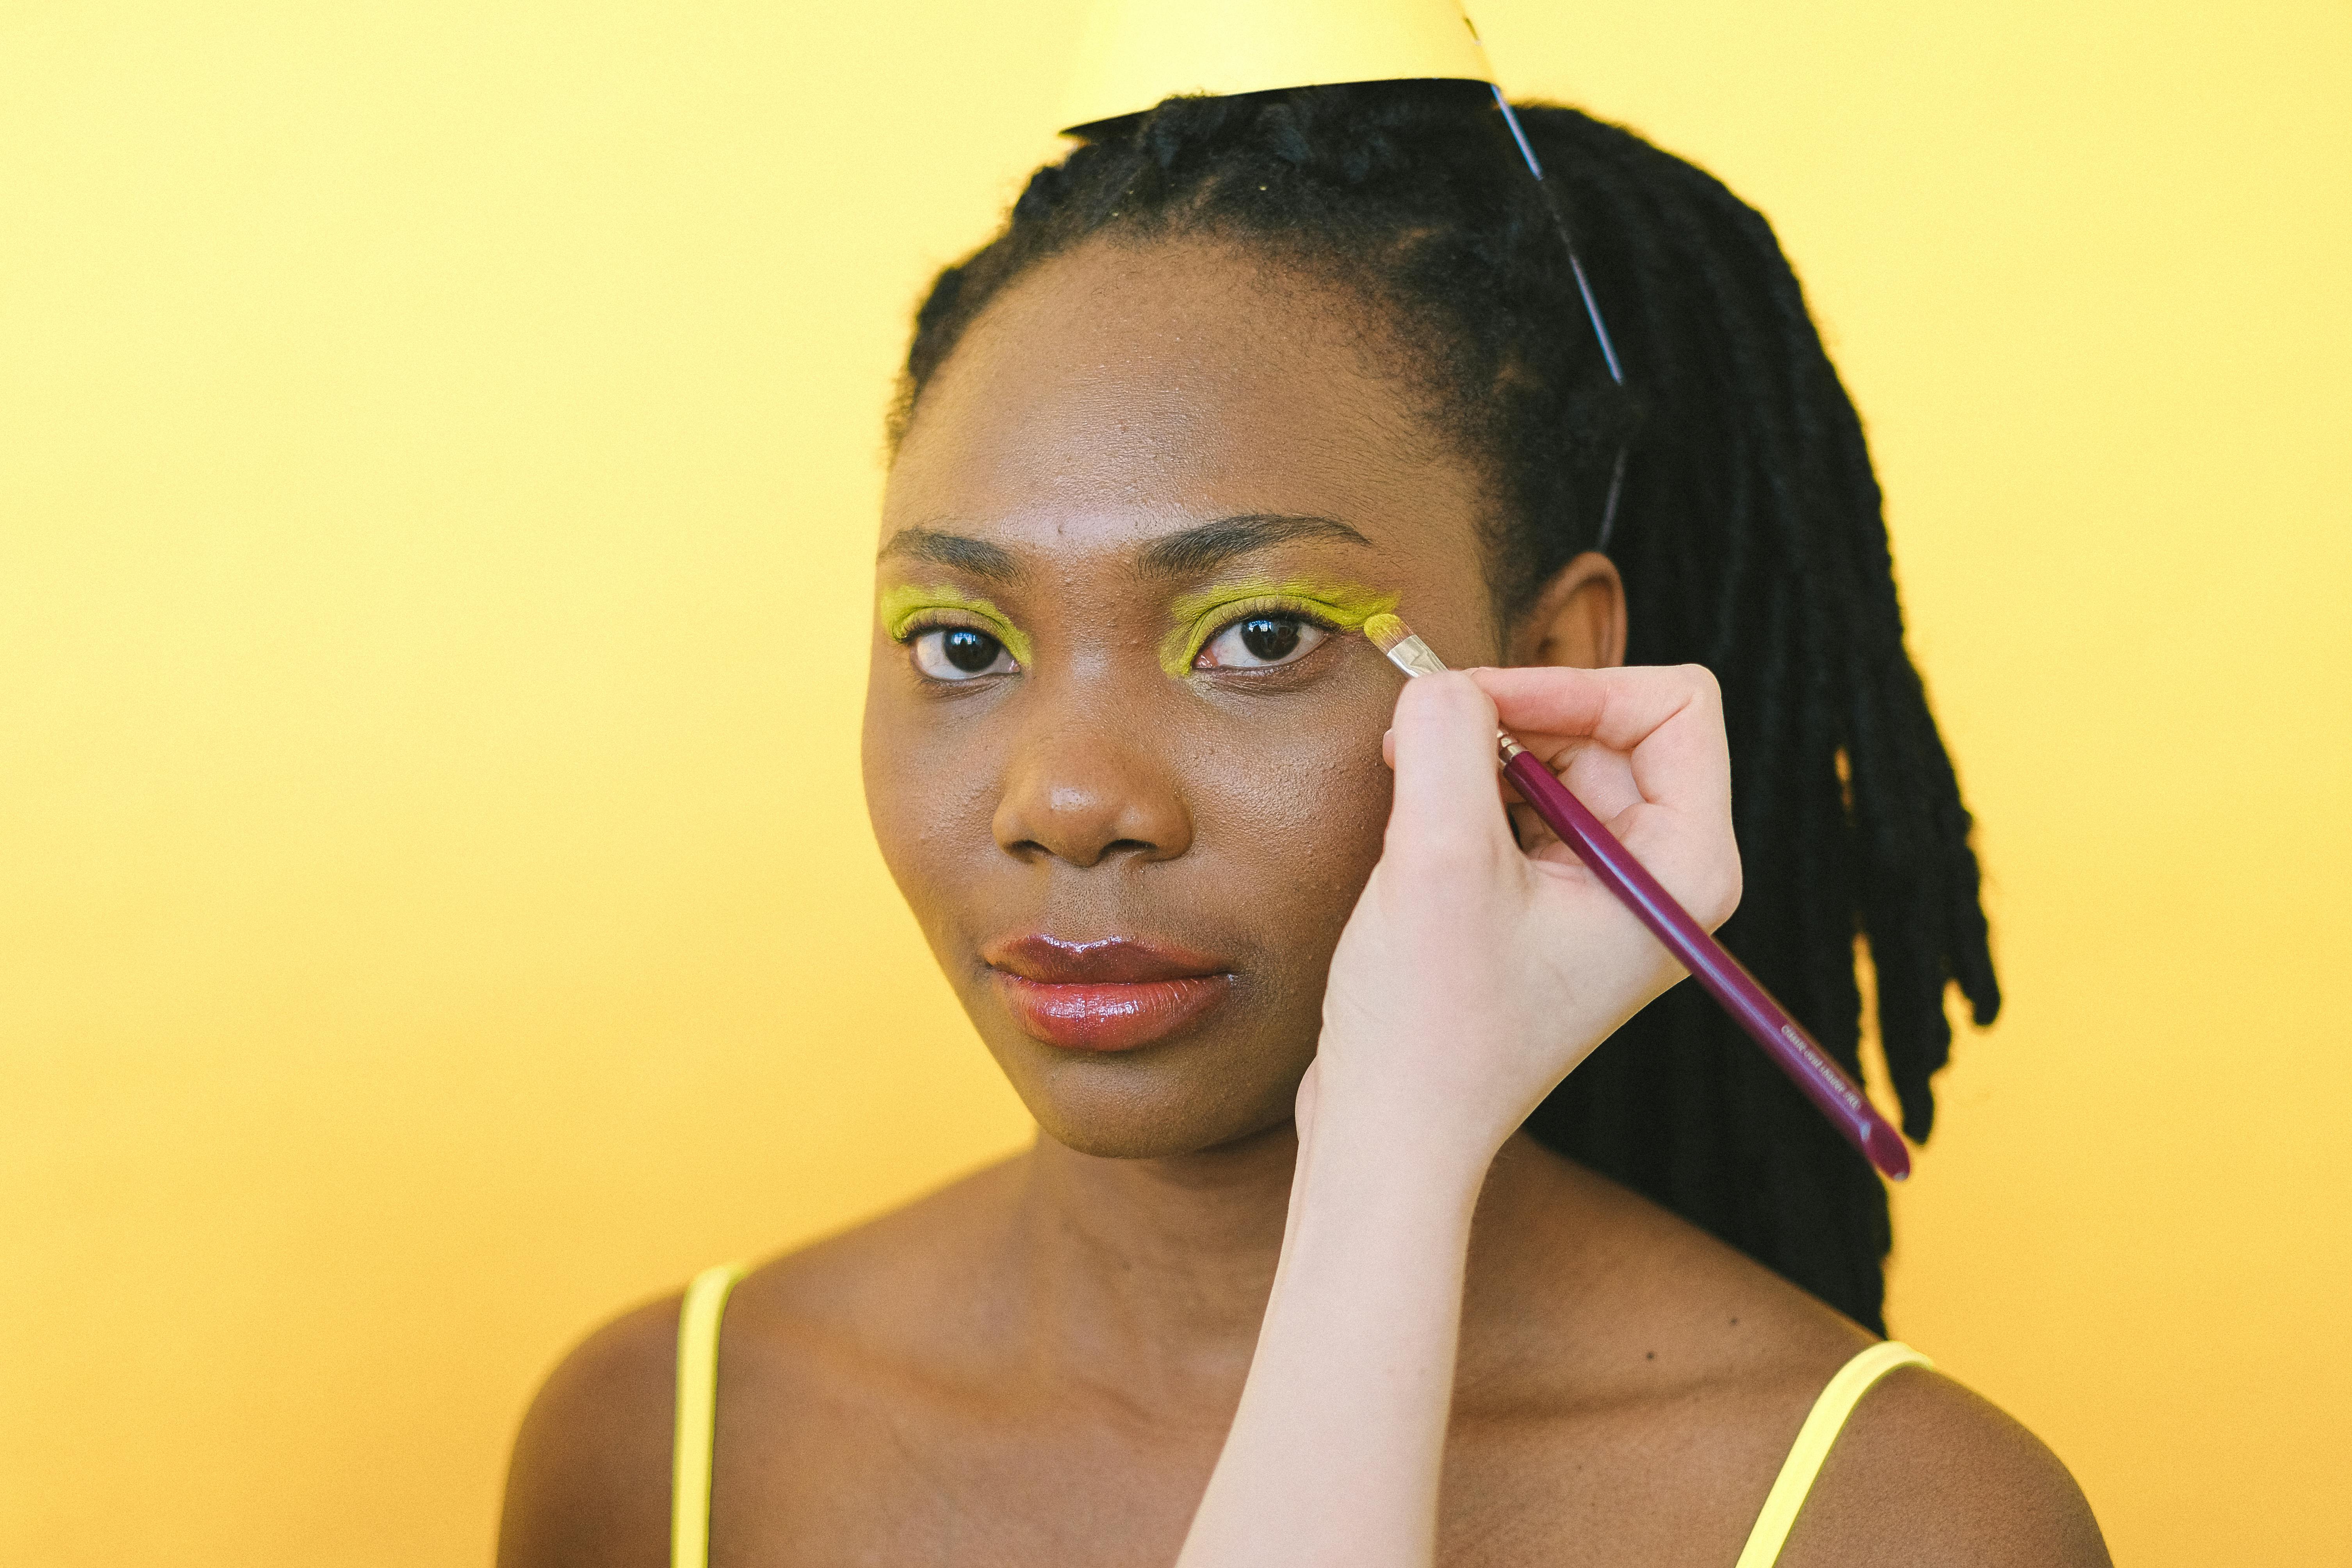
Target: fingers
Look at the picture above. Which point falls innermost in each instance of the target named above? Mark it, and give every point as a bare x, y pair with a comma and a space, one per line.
1645, 750
1665, 721
1443, 746
1617, 707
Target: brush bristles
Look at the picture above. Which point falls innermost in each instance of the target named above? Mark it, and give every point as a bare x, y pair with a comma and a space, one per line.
1386, 631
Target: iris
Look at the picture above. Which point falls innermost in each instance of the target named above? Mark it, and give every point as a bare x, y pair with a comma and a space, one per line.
969, 650
1270, 637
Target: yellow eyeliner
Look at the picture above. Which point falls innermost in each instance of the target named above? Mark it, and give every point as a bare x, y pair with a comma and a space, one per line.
900, 606
1199, 616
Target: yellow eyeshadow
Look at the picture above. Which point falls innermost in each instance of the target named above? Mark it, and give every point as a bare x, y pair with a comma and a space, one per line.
1198, 617
900, 607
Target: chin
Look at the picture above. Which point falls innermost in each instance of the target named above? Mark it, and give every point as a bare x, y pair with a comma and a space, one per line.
1134, 1106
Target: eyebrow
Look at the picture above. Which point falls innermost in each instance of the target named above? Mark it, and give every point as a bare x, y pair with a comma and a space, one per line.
1211, 545
1185, 554
955, 552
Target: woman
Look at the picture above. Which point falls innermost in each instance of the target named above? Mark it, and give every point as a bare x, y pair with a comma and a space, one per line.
1238, 372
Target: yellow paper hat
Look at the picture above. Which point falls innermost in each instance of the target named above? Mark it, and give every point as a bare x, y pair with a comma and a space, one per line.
1133, 53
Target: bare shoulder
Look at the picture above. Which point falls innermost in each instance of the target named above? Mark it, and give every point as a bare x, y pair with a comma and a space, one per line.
589, 1485
1641, 1305
1929, 1473
1656, 1339
1925, 1472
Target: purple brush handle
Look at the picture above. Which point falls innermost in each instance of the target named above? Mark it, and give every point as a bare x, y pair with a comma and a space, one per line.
1783, 1039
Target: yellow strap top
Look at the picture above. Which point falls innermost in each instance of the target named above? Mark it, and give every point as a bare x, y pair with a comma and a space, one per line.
1820, 1429
698, 1415
697, 1407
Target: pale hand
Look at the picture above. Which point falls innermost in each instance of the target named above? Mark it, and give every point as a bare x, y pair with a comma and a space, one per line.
1475, 975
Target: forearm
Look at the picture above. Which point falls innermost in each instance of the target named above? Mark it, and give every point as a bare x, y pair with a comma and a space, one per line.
1334, 1455
1472, 976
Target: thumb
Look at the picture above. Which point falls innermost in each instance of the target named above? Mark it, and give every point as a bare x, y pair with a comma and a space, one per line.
1446, 804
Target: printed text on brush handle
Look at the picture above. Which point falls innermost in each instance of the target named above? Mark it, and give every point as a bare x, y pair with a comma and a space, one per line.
1739, 993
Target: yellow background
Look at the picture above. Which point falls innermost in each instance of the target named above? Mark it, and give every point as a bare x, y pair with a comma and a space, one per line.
438, 447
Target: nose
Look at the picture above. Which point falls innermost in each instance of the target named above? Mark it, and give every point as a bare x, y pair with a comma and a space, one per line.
1082, 794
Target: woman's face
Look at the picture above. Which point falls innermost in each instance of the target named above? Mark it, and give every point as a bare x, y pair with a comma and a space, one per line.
1122, 746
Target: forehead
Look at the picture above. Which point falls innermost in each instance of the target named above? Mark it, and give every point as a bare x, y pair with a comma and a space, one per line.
1119, 392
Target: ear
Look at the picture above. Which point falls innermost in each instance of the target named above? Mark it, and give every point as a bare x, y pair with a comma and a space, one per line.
1579, 618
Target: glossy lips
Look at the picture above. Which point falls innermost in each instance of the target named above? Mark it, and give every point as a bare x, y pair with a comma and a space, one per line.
1109, 995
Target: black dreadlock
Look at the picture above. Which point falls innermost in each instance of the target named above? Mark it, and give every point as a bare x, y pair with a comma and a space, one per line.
1749, 534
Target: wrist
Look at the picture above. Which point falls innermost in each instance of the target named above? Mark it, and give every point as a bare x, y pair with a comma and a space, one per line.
1393, 1150
1439, 1128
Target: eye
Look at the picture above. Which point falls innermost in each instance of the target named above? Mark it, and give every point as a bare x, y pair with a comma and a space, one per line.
1261, 641
960, 653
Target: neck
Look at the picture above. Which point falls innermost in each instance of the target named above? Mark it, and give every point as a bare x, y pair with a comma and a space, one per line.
1152, 1275
1155, 1270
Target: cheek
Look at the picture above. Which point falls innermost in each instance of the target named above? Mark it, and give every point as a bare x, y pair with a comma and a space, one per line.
927, 786
1292, 813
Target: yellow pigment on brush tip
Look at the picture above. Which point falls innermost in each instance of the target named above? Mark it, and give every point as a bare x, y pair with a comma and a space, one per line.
900, 607
1386, 631
1199, 616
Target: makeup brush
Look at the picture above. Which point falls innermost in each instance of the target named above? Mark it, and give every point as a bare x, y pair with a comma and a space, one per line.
1824, 1083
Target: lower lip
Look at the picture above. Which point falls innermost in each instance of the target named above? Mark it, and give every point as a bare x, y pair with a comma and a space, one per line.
1109, 1017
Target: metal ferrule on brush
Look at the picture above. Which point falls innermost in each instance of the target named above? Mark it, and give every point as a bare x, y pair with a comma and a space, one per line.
1415, 658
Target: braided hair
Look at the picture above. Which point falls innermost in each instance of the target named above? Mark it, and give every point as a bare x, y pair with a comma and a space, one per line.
1748, 534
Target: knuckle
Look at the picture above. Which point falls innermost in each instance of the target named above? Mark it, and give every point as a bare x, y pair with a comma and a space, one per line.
1720, 896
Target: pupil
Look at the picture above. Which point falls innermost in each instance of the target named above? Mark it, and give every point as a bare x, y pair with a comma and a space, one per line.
1268, 638
969, 650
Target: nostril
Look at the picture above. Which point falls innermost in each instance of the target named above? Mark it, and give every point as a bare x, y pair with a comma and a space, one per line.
1076, 855
1076, 800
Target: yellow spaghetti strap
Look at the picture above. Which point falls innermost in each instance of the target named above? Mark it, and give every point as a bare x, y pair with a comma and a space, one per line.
698, 1411
1812, 1445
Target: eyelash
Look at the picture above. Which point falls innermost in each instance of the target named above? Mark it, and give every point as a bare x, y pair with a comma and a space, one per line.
911, 631
1273, 606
